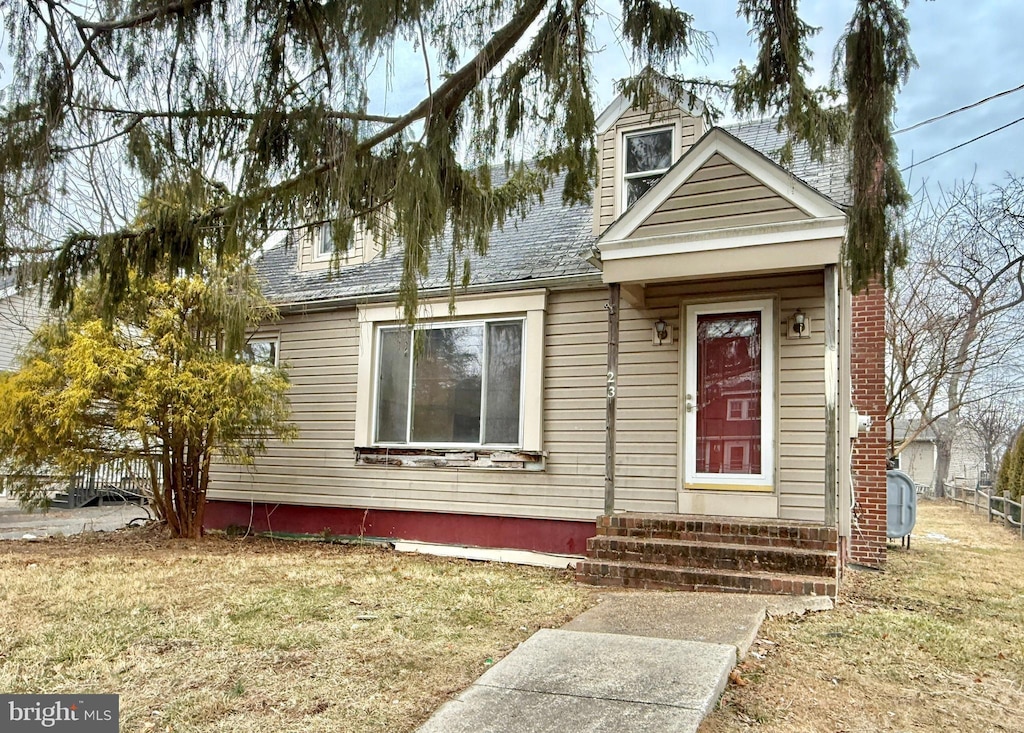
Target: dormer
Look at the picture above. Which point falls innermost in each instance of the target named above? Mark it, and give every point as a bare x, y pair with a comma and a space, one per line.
316, 248
636, 147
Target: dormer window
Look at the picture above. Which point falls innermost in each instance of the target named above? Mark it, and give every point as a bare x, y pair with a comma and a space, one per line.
648, 155
324, 246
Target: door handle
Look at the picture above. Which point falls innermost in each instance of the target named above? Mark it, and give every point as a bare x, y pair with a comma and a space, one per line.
690, 407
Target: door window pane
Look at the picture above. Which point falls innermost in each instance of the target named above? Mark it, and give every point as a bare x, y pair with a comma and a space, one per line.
729, 393
446, 385
504, 376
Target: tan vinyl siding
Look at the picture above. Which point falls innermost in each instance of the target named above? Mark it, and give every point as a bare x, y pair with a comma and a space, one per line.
800, 462
319, 467
607, 205
719, 195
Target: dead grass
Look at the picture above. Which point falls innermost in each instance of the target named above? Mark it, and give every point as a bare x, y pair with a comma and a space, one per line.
936, 643
257, 635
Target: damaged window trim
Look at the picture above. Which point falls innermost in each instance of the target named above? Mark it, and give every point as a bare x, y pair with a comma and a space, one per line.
472, 458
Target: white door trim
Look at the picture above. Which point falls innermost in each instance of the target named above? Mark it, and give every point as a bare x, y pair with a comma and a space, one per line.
765, 480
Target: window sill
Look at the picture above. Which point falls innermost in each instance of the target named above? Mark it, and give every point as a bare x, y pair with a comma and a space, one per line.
477, 459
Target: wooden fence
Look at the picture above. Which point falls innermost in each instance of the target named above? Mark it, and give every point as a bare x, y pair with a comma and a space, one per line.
998, 507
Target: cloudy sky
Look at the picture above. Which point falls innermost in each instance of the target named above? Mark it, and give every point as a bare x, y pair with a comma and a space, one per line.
966, 51
963, 55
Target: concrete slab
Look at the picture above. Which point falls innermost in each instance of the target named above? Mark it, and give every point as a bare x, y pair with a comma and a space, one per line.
798, 605
495, 710
715, 618
570, 681
686, 674
16, 524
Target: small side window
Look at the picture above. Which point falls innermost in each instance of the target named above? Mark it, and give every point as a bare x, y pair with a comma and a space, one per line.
261, 351
647, 155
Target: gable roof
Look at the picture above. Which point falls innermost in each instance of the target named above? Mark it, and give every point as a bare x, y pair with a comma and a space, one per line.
622, 104
720, 142
542, 248
830, 177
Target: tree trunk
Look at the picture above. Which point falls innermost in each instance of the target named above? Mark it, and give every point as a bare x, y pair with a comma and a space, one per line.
944, 454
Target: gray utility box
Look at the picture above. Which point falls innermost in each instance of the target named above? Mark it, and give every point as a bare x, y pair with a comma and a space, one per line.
900, 504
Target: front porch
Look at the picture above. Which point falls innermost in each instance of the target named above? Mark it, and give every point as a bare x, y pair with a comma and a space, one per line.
707, 553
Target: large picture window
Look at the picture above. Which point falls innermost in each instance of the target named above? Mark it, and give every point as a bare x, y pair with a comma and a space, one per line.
450, 384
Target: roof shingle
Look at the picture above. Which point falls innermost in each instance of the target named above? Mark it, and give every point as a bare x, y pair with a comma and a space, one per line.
546, 244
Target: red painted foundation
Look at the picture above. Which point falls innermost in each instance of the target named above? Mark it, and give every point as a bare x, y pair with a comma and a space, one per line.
539, 535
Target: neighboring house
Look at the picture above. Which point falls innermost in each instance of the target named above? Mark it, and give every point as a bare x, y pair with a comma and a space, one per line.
20, 314
740, 357
920, 457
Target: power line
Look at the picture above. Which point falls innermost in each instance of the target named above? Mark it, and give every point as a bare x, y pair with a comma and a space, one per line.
957, 147
952, 112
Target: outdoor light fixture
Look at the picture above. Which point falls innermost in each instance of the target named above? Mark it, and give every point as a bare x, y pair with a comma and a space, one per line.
799, 326
661, 332
799, 322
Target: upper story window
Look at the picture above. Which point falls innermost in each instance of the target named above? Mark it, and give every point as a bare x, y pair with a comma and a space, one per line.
648, 155
324, 244
451, 384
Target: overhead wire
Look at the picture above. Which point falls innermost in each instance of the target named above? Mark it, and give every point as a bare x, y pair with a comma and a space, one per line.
952, 112
957, 147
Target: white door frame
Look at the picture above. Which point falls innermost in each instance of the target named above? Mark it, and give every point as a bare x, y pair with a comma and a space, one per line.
764, 482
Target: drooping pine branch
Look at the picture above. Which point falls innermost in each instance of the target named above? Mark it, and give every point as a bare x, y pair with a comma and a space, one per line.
776, 84
875, 58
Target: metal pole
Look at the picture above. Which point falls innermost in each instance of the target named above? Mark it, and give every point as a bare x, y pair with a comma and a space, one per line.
611, 388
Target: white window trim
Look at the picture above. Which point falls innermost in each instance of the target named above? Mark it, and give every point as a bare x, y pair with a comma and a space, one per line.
623, 176
529, 304
765, 481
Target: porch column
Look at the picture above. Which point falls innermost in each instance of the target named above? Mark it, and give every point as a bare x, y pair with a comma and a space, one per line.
831, 392
611, 386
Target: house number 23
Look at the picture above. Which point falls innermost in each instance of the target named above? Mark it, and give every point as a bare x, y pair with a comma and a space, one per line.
611, 385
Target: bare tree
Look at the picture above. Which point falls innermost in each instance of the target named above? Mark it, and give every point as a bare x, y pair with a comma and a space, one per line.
990, 425
953, 313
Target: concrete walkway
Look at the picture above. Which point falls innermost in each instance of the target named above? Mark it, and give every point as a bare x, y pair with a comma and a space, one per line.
638, 661
16, 524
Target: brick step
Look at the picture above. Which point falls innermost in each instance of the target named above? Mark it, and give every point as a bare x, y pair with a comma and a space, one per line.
666, 577
728, 530
713, 555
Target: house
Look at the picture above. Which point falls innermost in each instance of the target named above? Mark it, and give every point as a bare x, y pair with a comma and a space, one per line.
21, 312
919, 458
700, 296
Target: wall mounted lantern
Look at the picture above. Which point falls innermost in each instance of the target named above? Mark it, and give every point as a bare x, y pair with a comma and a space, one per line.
662, 332
799, 326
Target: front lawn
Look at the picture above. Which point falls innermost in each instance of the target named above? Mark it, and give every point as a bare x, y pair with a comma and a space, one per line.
262, 635
936, 643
